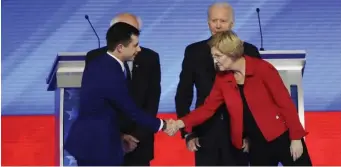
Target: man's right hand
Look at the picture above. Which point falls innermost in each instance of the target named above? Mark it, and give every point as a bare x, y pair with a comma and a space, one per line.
193, 144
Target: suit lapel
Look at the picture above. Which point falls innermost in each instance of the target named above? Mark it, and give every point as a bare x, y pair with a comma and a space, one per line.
211, 60
135, 67
139, 81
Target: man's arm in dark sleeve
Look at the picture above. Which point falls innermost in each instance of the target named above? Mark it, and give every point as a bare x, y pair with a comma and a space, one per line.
153, 95
116, 91
184, 92
251, 50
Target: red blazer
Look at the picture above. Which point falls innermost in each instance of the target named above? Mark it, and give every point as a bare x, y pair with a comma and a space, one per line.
267, 98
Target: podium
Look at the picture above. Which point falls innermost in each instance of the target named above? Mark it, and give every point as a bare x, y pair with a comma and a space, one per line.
66, 75
65, 80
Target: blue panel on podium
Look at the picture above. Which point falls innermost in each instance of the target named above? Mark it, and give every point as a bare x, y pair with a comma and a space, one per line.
294, 96
70, 113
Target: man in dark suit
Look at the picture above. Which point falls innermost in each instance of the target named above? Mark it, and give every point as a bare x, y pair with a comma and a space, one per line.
198, 69
94, 138
144, 82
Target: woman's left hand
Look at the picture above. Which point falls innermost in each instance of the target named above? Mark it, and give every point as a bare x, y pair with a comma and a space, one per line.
296, 149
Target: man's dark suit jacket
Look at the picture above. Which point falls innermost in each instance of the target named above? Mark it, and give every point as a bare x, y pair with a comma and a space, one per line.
95, 135
145, 88
198, 70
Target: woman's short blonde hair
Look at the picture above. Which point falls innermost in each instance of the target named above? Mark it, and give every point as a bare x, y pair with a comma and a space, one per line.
228, 43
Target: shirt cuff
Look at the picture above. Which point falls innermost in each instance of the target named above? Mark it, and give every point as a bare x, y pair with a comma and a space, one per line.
188, 134
161, 124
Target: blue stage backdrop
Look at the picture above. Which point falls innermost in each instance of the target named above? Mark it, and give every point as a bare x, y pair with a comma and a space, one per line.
34, 31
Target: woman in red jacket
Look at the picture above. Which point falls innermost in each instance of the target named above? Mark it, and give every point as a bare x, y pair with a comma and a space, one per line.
259, 105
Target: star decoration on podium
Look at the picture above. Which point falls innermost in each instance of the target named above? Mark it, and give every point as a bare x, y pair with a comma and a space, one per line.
71, 93
72, 114
70, 111
72, 160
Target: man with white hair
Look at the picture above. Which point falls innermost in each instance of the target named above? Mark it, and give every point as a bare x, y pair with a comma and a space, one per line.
144, 82
209, 140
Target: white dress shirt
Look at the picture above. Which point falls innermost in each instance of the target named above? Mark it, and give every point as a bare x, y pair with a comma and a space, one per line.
123, 70
130, 66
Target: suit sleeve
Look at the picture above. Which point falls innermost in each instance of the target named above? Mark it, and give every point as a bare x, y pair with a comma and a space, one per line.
184, 92
204, 112
88, 57
282, 98
251, 50
118, 95
154, 93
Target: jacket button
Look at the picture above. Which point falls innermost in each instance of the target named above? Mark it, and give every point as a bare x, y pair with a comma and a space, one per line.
277, 117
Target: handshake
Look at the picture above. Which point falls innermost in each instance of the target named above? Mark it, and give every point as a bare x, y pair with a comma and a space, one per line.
172, 126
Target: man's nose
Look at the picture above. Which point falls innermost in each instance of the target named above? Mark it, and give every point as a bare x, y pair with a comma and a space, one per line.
218, 25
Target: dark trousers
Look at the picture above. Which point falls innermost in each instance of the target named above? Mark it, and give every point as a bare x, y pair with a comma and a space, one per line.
220, 157
86, 162
217, 150
241, 158
131, 161
277, 151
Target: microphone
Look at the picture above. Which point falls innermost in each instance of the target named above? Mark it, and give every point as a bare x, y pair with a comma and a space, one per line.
260, 30
99, 42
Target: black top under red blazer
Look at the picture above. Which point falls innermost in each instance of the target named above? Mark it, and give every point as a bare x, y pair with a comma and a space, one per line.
267, 98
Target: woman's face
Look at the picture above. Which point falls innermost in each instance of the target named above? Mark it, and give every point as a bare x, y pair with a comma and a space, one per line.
222, 61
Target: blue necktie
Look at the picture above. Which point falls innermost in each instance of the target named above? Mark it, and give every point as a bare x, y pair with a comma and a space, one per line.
125, 73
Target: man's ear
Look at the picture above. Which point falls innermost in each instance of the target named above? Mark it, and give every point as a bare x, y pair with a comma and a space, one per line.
119, 48
231, 25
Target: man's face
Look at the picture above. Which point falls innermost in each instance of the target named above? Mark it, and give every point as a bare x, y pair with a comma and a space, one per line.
132, 49
219, 19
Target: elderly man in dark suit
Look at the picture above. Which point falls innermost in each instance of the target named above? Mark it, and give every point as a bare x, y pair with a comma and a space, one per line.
144, 82
208, 140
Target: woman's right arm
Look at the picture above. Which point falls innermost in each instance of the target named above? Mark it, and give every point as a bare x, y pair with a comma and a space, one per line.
205, 111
